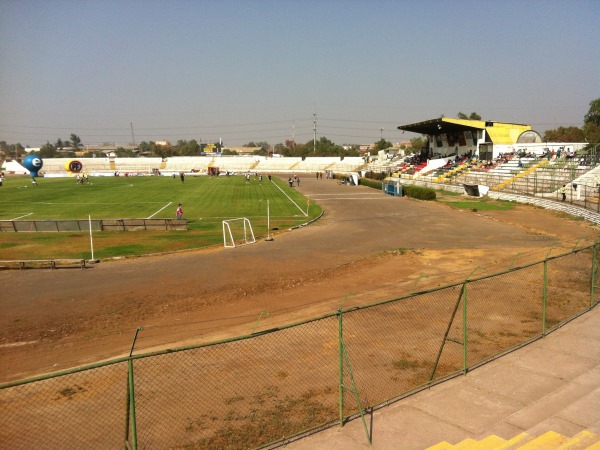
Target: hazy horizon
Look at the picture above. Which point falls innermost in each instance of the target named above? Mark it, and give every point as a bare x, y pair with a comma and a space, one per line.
253, 70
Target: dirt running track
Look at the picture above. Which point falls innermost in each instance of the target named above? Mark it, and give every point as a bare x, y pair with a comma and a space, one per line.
366, 247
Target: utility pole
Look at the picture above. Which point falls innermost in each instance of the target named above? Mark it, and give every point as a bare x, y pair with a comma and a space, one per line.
381, 134
132, 136
315, 131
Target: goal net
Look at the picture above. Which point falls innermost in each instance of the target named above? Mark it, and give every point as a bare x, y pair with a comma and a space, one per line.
237, 232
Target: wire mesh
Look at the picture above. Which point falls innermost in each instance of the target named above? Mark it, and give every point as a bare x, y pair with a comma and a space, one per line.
393, 347
79, 410
503, 311
239, 394
568, 286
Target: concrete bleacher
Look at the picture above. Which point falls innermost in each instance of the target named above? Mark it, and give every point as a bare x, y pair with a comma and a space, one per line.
350, 164
524, 441
58, 165
235, 163
187, 163
285, 164
317, 163
138, 165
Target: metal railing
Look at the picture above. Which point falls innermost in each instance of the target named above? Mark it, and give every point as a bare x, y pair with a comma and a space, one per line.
263, 389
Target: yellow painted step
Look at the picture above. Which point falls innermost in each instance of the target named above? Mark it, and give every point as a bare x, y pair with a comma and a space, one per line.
514, 443
581, 441
465, 444
441, 446
550, 440
485, 444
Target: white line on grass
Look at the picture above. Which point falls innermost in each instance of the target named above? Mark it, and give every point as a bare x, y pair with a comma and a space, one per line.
20, 217
306, 215
355, 198
150, 217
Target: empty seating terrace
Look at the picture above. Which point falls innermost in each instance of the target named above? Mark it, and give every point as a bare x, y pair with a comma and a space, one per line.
136, 165
287, 164
185, 163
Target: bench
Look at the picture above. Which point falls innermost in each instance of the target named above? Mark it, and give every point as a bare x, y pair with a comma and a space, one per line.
52, 263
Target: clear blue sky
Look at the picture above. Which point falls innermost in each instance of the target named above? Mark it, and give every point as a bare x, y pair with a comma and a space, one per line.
256, 70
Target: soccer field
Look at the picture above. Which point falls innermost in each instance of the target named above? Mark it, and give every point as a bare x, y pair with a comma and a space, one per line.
207, 201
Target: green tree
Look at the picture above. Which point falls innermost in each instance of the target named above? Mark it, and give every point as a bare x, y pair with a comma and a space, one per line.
591, 123
125, 153
382, 144
564, 134
75, 140
417, 144
47, 151
472, 116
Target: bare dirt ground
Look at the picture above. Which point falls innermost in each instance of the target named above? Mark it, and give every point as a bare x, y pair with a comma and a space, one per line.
367, 247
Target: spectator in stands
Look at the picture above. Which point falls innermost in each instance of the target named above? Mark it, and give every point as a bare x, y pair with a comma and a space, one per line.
179, 212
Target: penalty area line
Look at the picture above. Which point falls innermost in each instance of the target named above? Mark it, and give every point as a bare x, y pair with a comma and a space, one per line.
305, 214
168, 204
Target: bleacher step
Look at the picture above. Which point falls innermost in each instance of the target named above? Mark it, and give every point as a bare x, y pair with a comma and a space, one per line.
551, 440
514, 443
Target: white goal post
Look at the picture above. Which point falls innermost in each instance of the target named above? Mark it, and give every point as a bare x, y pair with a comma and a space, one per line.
237, 232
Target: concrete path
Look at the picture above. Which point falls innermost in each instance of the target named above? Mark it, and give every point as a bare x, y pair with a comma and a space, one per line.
551, 384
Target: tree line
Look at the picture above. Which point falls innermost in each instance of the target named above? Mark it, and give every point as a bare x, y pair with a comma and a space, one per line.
590, 132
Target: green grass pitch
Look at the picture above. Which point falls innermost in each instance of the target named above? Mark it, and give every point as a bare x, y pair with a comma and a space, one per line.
207, 201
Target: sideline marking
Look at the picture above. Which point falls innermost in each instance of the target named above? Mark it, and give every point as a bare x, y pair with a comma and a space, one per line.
305, 215
150, 217
353, 198
20, 217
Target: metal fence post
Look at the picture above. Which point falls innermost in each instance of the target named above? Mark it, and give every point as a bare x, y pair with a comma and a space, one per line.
341, 366
464, 300
130, 417
134, 442
593, 277
544, 297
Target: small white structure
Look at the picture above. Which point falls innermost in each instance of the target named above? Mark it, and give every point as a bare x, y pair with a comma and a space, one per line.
476, 190
15, 167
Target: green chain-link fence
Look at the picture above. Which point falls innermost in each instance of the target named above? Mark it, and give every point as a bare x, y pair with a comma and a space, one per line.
262, 389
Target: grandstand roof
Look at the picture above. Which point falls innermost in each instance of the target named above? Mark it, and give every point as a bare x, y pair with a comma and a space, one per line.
499, 132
